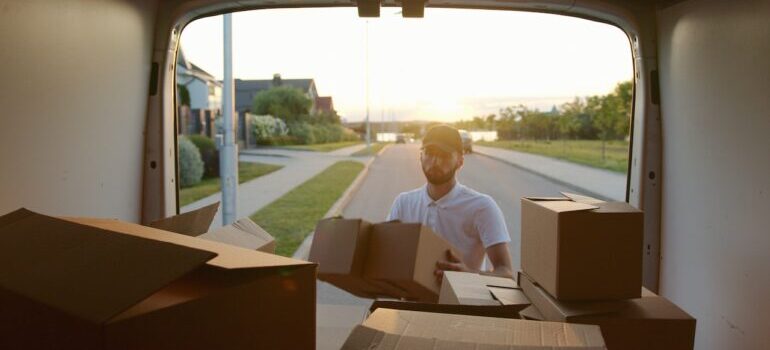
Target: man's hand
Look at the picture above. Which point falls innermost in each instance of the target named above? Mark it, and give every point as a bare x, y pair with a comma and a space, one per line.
453, 263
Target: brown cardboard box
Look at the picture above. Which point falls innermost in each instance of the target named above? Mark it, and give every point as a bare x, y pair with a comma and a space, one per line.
400, 329
243, 233
193, 223
105, 284
580, 248
463, 288
647, 323
382, 260
405, 255
340, 248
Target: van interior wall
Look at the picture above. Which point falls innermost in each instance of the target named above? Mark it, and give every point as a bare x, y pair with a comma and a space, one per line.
715, 85
75, 76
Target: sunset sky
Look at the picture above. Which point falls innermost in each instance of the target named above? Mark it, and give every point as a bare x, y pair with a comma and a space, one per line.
450, 65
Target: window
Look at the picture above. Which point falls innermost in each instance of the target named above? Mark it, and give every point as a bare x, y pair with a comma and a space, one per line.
545, 102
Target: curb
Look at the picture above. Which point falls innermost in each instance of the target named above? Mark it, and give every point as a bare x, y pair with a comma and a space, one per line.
303, 250
550, 178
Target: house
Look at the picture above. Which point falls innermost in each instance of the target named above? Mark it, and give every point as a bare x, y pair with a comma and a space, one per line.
324, 104
199, 98
245, 90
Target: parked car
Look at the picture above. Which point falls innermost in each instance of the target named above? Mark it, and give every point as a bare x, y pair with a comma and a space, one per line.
467, 141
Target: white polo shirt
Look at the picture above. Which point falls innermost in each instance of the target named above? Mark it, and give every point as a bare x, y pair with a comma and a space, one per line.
469, 220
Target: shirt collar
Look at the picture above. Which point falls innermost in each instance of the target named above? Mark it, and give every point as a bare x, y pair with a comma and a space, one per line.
441, 202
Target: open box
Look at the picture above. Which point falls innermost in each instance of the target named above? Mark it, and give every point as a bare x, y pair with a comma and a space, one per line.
86, 283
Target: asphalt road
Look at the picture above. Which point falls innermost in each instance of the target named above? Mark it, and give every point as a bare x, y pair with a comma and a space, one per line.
398, 170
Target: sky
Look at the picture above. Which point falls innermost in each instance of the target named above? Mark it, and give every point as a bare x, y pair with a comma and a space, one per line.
451, 65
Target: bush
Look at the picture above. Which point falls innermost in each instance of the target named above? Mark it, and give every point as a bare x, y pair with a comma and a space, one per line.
190, 163
302, 132
265, 128
209, 154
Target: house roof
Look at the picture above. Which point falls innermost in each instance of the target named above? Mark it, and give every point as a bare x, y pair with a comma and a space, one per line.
245, 90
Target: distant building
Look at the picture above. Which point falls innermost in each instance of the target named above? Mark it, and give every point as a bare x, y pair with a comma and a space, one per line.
324, 104
245, 90
199, 98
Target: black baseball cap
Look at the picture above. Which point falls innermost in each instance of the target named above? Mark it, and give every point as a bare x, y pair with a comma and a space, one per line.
444, 137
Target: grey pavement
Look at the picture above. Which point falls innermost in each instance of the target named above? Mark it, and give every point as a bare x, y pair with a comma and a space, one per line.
298, 167
600, 183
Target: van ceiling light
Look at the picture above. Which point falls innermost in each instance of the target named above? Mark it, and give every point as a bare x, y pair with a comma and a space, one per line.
413, 8
368, 8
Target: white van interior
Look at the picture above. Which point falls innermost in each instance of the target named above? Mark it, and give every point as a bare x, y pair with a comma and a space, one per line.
87, 101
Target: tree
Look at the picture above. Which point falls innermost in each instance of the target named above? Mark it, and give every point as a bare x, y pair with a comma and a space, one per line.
568, 121
624, 93
282, 102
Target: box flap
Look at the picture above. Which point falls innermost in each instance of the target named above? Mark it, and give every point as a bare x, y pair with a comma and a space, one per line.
85, 271
14, 216
510, 333
579, 198
501, 311
472, 288
566, 206
509, 296
193, 223
554, 310
229, 257
616, 207
531, 313
242, 233
539, 199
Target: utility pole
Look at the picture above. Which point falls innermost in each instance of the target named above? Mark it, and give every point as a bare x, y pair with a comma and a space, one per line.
228, 168
368, 128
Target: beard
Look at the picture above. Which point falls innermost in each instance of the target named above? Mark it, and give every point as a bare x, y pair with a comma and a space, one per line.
438, 177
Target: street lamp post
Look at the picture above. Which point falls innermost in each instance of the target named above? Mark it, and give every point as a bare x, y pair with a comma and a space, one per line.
368, 127
228, 170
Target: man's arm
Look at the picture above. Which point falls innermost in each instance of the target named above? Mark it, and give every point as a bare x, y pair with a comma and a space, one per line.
500, 258
498, 255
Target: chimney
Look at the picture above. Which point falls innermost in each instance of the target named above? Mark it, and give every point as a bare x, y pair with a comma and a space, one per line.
277, 80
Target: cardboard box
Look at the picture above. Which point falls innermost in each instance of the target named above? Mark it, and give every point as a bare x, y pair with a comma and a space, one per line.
86, 283
464, 288
650, 322
383, 260
400, 329
580, 248
405, 255
243, 233
193, 223
340, 249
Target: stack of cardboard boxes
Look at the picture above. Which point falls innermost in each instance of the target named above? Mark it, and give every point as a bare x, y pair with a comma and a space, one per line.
581, 261
582, 264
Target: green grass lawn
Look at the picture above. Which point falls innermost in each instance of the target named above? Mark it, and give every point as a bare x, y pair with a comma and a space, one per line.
292, 217
376, 147
323, 147
246, 171
587, 152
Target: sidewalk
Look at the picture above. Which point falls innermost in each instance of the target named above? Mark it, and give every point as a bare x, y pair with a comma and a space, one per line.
595, 182
298, 167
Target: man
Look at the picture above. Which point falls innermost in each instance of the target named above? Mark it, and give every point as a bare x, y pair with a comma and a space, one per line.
472, 222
